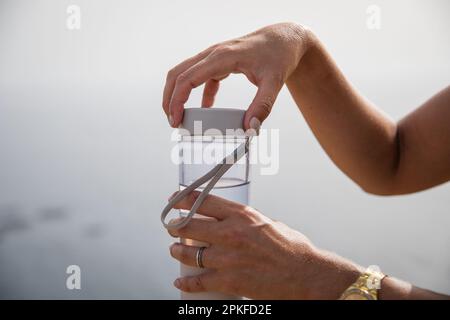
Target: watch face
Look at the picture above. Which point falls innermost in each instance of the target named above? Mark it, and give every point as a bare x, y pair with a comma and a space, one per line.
355, 296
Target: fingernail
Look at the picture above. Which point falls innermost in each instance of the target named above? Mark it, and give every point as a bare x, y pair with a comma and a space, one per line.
175, 220
175, 249
255, 124
170, 120
177, 283
172, 196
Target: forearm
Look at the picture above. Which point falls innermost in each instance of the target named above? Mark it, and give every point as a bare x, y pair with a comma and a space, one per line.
359, 138
339, 273
395, 289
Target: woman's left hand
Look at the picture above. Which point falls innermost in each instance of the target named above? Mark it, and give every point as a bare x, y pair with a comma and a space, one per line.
250, 255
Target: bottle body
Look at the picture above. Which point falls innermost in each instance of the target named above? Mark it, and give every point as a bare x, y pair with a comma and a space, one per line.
198, 155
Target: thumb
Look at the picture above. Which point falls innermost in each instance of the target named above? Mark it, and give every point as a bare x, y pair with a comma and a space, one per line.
262, 104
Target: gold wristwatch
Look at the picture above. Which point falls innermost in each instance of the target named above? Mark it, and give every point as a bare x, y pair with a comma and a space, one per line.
366, 286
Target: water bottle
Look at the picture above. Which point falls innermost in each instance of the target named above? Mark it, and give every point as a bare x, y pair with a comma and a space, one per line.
208, 135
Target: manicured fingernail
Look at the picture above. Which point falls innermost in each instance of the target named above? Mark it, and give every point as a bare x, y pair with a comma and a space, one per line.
172, 196
175, 249
177, 283
255, 124
171, 120
175, 220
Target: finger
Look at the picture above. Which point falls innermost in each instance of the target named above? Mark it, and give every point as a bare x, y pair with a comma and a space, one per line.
211, 258
197, 229
262, 104
212, 206
212, 67
208, 281
209, 92
172, 75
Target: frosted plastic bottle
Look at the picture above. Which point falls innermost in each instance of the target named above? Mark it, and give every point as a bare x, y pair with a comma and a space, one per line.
200, 151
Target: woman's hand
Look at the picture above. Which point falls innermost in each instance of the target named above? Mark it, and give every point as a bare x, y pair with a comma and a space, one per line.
267, 57
250, 255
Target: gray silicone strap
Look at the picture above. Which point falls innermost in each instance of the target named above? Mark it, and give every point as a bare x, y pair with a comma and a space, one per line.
214, 175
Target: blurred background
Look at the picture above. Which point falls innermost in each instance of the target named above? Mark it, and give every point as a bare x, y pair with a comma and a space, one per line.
85, 163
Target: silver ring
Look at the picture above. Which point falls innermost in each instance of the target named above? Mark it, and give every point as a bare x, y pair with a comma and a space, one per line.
199, 257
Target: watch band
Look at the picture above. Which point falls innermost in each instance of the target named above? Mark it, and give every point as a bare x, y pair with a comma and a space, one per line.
366, 286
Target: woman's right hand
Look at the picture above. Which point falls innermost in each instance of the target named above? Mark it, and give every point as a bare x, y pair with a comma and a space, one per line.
267, 57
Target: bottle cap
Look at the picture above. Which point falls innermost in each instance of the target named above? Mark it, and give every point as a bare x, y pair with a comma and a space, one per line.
213, 122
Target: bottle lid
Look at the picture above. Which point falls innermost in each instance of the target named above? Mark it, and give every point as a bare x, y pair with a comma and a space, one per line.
213, 122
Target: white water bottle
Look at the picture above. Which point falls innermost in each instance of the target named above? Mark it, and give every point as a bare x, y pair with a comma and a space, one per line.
208, 135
